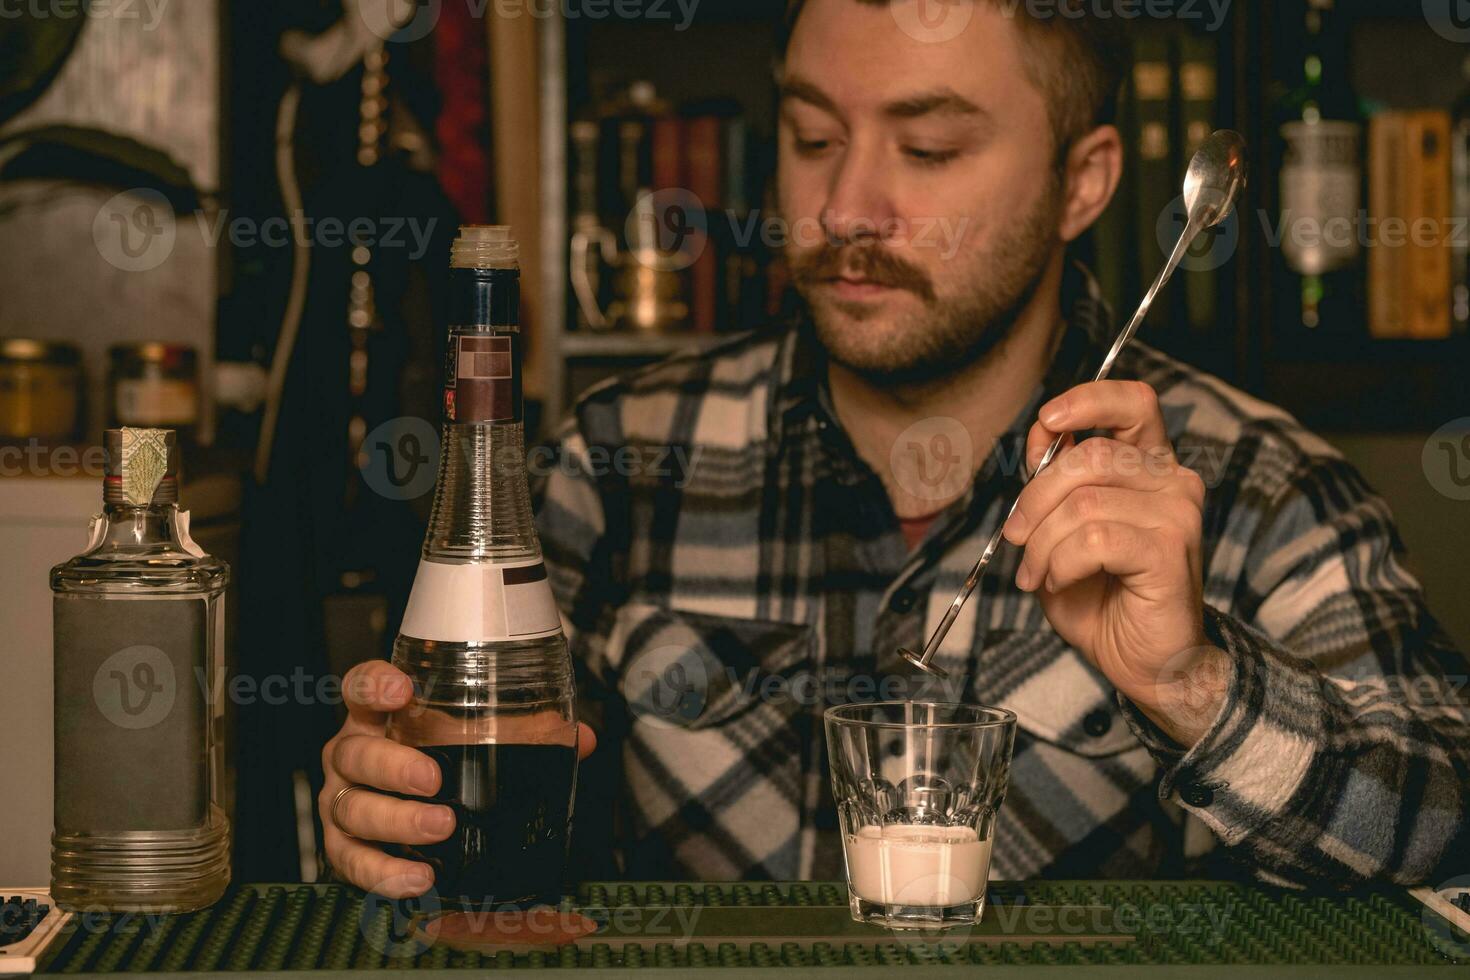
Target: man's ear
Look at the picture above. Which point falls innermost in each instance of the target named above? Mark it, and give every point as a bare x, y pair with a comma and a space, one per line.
1093, 169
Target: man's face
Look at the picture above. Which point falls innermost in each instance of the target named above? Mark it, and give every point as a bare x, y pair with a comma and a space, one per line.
918, 179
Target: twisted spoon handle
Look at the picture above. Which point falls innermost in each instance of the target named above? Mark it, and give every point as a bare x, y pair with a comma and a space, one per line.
1191, 231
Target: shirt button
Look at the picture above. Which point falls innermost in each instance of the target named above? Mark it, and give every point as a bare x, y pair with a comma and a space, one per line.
903, 600
1198, 795
1097, 722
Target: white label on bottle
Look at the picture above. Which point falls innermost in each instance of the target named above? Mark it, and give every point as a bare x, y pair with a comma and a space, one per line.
156, 401
1321, 182
476, 601
181, 526
95, 531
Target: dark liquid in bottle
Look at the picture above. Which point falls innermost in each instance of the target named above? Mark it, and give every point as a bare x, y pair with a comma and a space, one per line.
512, 809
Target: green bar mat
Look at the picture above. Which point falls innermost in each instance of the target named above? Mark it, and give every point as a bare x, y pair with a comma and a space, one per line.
1213, 928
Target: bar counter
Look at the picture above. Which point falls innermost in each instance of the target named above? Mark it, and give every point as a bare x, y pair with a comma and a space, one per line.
1035, 929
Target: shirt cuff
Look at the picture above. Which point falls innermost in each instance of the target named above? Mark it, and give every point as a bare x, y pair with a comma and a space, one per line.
1261, 757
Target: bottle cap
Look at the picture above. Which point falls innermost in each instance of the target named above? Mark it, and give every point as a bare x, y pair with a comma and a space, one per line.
485, 247
142, 466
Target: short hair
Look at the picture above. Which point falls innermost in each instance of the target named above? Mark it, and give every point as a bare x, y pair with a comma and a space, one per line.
1083, 64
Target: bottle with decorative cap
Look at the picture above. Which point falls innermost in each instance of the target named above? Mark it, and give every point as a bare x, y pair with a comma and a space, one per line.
138, 645
494, 703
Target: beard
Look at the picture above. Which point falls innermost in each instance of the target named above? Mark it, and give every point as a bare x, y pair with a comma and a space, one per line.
946, 333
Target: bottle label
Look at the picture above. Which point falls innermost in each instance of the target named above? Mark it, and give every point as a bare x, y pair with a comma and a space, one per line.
156, 401
470, 602
1321, 191
131, 713
483, 378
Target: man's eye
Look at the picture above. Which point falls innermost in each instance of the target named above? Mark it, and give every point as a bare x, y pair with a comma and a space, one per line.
929, 158
810, 147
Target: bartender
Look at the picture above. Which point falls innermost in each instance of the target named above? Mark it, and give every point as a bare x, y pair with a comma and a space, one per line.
1216, 658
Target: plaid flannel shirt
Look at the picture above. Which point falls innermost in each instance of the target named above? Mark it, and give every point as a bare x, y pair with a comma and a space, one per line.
727, 567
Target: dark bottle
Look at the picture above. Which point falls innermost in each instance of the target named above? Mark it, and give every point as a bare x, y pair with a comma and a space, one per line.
139, 643
1322, 185
481, 638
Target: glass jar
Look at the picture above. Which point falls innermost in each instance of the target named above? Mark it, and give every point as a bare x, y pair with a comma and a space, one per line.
40, 389
155, 384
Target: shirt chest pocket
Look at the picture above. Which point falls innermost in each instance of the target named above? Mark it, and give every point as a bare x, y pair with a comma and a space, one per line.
1060, 699
693, 671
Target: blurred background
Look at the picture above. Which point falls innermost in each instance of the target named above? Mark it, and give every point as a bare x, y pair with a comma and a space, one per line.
233, 217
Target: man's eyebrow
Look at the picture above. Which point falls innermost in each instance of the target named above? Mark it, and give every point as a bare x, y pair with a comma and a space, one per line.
944, 101
802, 90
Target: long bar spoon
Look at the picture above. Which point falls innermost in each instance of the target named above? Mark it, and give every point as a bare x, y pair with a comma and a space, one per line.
1216, 176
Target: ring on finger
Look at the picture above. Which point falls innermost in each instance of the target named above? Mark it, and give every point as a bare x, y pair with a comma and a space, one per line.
337, 804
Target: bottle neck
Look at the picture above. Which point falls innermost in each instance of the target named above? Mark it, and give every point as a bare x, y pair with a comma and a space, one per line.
482, 503
131, 527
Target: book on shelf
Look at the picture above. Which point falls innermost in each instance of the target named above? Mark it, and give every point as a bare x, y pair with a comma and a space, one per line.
704, 178
1410, 279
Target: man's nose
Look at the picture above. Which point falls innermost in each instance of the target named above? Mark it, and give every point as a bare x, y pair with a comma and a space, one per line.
858, 208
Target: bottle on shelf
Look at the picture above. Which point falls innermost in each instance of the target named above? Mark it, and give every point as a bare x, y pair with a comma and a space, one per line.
481, 637
139, 644
1322, 182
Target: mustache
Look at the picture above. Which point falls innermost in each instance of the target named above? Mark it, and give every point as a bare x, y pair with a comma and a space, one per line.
871, 262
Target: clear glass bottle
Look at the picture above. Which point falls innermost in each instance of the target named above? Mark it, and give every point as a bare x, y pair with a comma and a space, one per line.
139, 646
494, 702
1321, 178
